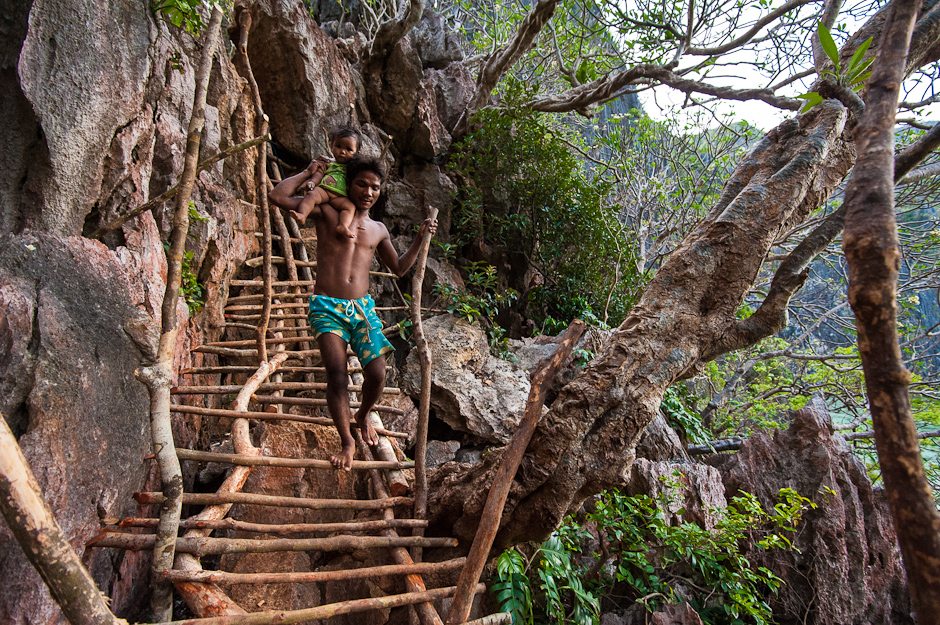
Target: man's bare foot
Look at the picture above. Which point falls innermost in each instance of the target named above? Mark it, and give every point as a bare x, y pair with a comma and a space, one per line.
300, 219
343, 460
343, 231
366, 430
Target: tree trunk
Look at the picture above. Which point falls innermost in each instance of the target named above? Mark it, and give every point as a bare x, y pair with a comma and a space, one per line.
873, 252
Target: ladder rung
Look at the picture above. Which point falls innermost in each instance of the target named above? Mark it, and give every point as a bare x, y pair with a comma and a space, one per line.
249, 369
210, 499
222, 577
258, 297
273, 284
253, 353
316, 401
325, 611
251, 307
286, 340
270, 416
269, 386
219, 546
272, 461
289, 528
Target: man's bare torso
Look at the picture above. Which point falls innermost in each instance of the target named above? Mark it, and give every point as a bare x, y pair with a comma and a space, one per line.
342, 263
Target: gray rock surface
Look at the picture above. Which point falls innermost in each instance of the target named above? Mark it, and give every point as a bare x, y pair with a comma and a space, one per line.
440, 452
435, 41
471, 390
69, 394
846, 567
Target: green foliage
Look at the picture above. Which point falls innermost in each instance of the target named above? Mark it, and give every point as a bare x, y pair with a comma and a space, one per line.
525, 192
191, 291
651, 558
480, 302
853, 75
182, 13
679, 408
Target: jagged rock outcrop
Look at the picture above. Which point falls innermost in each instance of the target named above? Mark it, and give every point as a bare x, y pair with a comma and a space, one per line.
471, 390
846, 567
68, 391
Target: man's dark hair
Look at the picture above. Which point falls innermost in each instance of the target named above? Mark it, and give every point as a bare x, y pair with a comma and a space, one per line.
359, 164
346, 131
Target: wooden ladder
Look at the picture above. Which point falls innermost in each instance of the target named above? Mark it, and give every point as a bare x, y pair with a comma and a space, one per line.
292, 351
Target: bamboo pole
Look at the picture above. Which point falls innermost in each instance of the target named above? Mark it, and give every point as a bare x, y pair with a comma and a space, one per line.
327, 611
304, 263
219, 546
271, 416
249, 353
266, 528
172, 191
43, 541
255, 317
424, 405
279, 283
158, 377
502, 480
397, 483
246, 369
271, 461
227, 499
221, 577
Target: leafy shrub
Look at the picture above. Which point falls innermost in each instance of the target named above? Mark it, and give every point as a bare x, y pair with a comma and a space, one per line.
652, 560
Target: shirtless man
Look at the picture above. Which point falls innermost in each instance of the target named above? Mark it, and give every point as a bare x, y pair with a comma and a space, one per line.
341, 309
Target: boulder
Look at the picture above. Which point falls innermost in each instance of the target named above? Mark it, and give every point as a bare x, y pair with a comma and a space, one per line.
660, 442
308, 87
694, 491
428, 135
846, 566
453, 87
440, 452
471, 390
69, 394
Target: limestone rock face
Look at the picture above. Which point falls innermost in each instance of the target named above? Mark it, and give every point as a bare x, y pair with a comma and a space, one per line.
847, 569
471, 390
69, 394
435, 42
71, 64
453, 86
306, 83
699, 491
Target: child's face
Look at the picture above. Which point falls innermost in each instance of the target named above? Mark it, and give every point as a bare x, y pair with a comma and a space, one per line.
344, 148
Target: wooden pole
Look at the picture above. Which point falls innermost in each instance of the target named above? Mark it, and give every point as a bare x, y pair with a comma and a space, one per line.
212, 499
327, 611
158, 377
424, 405
221, 577
267, 528
509, 464
43, 542
271, 461
278, 386
219, 546
172, 191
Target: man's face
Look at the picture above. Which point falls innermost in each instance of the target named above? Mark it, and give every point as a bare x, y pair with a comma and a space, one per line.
344, 148
364, 190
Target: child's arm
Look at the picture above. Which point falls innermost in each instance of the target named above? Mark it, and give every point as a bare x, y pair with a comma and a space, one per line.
283, 194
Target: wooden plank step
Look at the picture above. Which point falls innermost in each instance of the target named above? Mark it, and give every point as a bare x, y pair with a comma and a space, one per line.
222, 577
219, 546
269, 386
209, 499
288, 528
288, 617
315, 401
271, 416
272, 461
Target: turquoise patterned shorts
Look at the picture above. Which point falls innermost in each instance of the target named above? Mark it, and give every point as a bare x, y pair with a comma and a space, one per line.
353, 320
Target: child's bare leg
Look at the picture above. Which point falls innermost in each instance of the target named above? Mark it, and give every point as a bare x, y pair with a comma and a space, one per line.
347, 210
311, 200
373, 383
333, 353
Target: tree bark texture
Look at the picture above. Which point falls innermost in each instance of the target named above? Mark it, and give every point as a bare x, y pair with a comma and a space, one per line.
873, 253
42, 540
158, 378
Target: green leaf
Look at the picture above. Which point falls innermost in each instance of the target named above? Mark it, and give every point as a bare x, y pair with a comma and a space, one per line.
828, 45
858, 56
812, 99
859, 82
